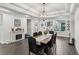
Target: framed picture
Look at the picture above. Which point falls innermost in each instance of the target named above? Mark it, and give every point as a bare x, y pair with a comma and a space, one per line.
17, 22
1, 18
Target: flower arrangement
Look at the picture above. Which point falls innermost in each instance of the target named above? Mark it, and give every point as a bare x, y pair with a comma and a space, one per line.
45, 32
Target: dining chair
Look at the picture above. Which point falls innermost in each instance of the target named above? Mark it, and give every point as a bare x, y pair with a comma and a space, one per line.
51, 32
26, 36
40, 33
50, 43
55, 38
34, 48
35, 34
54, 43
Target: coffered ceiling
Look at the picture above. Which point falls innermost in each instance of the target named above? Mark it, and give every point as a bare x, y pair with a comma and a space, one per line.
35, 9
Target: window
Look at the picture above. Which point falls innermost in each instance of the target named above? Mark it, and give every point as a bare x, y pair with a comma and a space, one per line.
59, 25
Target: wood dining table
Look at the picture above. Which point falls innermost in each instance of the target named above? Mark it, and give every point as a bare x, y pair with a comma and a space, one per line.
43, 39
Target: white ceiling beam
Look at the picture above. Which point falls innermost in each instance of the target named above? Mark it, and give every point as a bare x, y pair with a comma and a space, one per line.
31, 8
16, 9
3, 10
67, 7
57, 12
64, 14
72, 7
26, 10
25, 7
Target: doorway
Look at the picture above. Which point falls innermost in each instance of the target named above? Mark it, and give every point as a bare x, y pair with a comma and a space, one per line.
29, 26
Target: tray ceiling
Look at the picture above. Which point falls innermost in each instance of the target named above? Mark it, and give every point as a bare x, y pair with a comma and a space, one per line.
35, 9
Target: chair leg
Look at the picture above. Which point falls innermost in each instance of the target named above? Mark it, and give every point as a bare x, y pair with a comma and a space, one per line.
55, 49
43, 51
29, 52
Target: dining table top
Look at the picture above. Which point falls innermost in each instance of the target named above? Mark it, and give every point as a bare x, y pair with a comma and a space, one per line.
43, 38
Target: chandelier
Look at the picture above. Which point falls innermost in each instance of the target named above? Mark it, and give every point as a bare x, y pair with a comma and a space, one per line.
43, 16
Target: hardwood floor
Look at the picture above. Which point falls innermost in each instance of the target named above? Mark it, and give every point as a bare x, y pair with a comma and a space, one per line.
63, 48
15, 48
21, 48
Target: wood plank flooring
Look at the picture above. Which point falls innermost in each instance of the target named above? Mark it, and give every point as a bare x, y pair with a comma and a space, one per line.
63, 48
15, 48
21, 48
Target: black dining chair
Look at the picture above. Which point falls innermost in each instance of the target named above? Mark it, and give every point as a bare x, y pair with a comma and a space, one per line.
35, 34
39, 33
26, 36
54, 43
55, 38
50, 43
51, 32
34, 48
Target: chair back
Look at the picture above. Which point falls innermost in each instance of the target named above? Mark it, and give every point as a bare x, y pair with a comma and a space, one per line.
52, 40
35, 34
50, 43
55, 37
32, 43
51, 32
39, 33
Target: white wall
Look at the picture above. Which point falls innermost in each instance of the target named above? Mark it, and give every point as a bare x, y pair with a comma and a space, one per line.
34, 21
77, 30
8, 23
72, 27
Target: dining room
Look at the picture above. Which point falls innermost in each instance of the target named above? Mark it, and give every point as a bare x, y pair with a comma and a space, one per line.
39, 28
